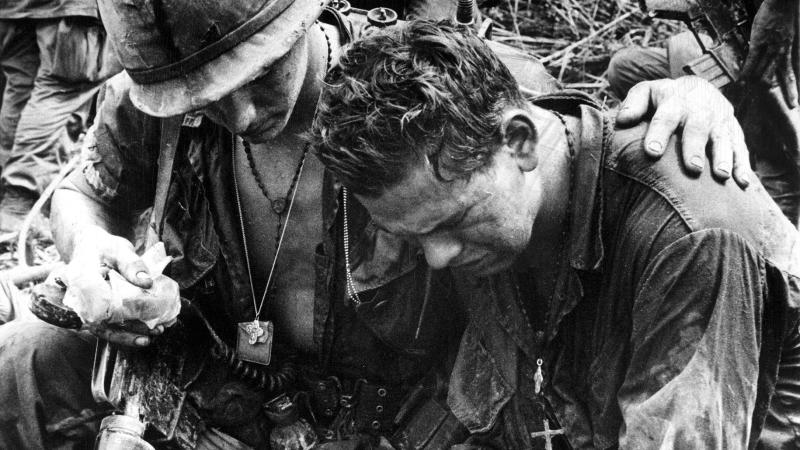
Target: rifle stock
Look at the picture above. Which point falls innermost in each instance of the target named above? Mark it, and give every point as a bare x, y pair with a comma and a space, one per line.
728, 24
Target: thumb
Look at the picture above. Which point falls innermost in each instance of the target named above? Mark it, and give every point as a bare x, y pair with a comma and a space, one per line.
635, 106
131, 267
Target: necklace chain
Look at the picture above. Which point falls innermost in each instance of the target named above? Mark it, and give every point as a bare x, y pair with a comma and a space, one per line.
278, 239
350, 286
278, 205
567, 217
290, 196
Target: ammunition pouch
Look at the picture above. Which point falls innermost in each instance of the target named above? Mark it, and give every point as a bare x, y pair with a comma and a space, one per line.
345, 408
375, 407
431, 426
416, 418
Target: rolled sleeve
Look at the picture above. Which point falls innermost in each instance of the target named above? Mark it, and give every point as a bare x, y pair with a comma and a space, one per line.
119, 159
693, 376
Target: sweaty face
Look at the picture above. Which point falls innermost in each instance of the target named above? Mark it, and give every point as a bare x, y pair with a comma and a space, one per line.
259, 110
478, 226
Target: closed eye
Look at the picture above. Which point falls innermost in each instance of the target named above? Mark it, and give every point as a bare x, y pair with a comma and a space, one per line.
452, 222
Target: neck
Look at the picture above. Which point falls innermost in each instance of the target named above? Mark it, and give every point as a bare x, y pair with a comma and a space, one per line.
555, 166
306, 106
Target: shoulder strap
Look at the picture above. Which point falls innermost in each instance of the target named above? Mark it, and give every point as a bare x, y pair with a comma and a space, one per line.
567, 101
346, 27
170, 130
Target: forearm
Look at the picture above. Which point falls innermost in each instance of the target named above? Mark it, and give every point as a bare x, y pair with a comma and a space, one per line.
75, 217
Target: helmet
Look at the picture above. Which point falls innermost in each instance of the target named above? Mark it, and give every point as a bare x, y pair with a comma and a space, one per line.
184, 54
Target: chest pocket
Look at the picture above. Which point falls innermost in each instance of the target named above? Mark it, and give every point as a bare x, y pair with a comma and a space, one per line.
410, 313
481, 382
189, 233
404, 303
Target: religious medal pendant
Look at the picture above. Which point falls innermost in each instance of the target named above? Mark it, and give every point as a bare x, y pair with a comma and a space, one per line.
254, 342
278, 205
538, 378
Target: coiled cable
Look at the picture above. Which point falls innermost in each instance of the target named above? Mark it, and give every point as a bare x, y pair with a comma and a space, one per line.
262, 377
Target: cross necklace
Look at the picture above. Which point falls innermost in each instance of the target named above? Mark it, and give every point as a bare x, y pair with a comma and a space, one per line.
277, 204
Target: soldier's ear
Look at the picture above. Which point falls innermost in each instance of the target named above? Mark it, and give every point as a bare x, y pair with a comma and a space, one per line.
520, 138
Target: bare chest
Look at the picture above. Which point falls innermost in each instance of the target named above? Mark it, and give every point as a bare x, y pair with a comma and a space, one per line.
267, 180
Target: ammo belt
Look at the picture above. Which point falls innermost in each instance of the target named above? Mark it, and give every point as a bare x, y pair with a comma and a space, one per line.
356, 406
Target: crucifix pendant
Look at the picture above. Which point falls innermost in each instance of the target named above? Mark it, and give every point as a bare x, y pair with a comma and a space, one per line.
254, 342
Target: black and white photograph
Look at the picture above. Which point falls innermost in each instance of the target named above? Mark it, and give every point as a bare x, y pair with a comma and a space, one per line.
399, 224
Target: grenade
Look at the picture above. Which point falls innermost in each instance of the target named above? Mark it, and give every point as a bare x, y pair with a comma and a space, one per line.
291, 431
120, 432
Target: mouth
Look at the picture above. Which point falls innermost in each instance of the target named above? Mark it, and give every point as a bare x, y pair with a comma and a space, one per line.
260, 135
486, 265
475, 266
265, 129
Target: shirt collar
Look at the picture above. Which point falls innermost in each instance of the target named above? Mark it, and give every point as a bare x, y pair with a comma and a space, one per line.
585, 243
584, 247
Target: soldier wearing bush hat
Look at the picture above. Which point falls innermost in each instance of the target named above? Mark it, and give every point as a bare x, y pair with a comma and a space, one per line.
255, 230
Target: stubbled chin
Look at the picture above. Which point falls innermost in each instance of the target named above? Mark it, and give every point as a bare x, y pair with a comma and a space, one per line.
485, 267
271, 128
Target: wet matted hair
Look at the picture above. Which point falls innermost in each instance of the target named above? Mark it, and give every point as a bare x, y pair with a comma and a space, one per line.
407, 93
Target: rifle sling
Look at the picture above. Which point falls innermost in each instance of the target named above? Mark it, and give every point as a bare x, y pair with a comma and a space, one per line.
170, 131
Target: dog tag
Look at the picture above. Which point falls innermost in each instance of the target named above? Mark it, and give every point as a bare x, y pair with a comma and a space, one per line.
254, 342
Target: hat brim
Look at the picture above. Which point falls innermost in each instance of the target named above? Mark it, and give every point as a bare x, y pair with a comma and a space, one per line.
232, 69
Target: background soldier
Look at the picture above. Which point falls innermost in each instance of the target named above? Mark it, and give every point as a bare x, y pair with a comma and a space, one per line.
52, 53
240, 168
765, 98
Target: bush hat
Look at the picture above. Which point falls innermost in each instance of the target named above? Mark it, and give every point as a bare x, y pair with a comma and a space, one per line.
184, 54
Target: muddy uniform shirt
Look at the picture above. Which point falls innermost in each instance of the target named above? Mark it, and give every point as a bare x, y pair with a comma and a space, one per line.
378, 340
673, 322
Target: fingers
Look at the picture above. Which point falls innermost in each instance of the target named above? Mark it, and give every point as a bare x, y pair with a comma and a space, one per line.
636, 105
120, 336
101, 252
666, 120
788, 121
721, 152
120, 255
703, 117
693, 145
129, 334
139, 327
788, 80
756, 63
741, 157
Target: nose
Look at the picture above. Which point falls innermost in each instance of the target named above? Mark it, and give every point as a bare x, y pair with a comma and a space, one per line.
440, 250
234, 111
